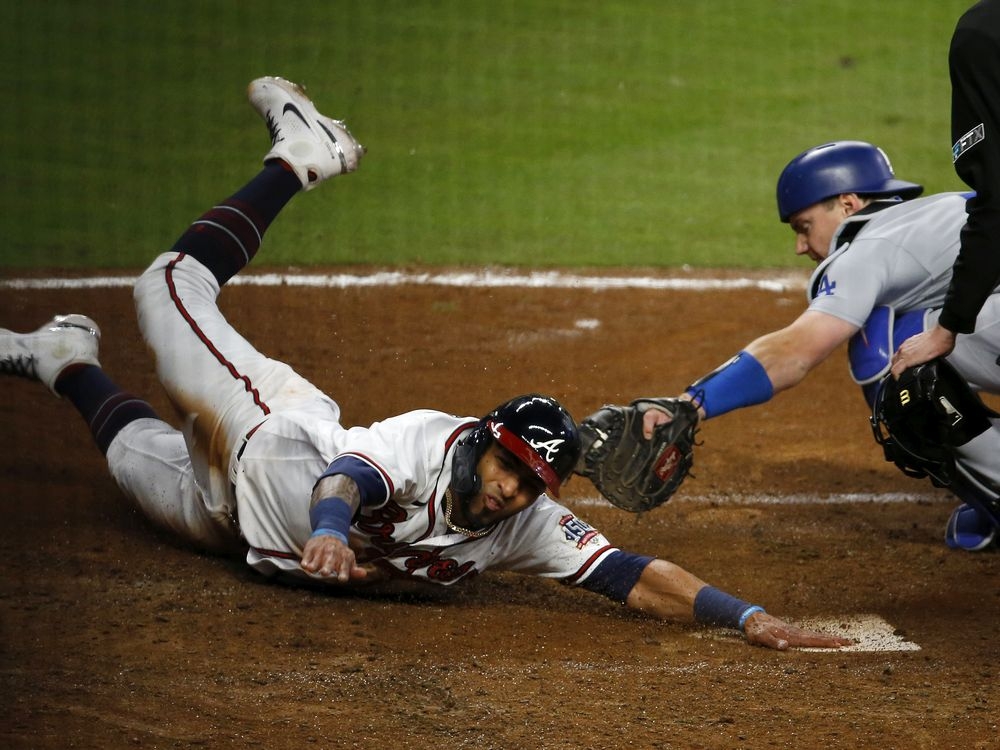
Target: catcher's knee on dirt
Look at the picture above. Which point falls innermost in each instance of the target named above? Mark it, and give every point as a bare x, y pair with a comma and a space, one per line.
921, 418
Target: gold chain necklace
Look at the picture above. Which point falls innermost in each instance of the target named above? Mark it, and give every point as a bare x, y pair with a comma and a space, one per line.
456, 527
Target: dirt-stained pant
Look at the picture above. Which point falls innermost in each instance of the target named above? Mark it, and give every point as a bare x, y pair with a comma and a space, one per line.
221, 387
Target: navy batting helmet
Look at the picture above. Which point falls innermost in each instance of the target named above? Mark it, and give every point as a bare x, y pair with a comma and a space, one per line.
534, 428
835, 168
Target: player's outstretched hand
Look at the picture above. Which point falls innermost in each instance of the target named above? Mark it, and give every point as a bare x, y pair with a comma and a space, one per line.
762, 629
328, 557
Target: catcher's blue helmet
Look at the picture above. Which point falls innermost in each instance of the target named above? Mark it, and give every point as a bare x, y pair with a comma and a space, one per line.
536, 429
835, 168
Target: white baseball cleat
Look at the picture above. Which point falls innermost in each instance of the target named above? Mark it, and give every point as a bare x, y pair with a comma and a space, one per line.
314, 146
43, 354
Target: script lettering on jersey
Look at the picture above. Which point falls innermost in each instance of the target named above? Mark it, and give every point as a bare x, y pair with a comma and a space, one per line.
825, 286
379, 526
444, 569
577, 531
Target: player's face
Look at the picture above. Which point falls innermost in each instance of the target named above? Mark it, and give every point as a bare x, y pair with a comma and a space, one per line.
815, 226
509, 487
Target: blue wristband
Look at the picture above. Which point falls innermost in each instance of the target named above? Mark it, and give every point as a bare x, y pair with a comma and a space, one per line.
742, 381
714, 607
746, 615
331, 516
330, 532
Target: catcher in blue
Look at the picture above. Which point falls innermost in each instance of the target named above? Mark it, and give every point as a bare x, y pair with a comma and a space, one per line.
884, 258
263, 464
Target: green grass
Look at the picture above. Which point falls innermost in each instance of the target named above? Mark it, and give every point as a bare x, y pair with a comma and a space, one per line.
646, 133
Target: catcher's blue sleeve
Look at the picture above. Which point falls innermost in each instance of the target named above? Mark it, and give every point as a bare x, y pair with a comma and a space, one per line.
742, 381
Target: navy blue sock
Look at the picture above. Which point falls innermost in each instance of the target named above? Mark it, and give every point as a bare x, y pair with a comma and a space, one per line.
226, 238
105, 407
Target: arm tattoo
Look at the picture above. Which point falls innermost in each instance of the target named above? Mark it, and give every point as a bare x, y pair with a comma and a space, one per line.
337, 485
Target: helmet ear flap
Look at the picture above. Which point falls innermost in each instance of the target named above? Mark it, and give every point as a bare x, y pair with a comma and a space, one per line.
464, 479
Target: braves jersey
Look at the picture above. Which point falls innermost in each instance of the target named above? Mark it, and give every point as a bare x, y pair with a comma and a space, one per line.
402, 529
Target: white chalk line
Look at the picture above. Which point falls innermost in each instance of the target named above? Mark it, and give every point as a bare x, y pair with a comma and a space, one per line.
843, 498
479, 279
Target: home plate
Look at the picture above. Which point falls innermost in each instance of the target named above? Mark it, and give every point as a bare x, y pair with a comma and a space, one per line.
869, 633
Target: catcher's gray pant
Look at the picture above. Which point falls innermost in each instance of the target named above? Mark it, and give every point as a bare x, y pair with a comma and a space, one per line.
976, 358
975, 355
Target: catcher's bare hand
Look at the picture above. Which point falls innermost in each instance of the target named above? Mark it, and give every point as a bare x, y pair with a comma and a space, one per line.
762, 629
326, 556
923, 347
654, 416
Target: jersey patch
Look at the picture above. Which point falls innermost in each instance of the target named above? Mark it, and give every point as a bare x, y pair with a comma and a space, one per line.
577, 531
967, 141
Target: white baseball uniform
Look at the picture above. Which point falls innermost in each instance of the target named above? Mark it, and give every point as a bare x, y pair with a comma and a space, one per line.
257, 436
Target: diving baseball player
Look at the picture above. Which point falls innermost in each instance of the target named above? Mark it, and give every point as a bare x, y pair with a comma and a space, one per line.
263, 463
884, 259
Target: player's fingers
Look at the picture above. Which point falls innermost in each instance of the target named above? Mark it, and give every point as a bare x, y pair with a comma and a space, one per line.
763, 630
344, 567
799, 638
767, 638
819, 640
320, 558
310, 562
652, 419
344, 575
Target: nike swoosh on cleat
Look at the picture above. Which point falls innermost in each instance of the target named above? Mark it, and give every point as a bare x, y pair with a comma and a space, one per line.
289, 107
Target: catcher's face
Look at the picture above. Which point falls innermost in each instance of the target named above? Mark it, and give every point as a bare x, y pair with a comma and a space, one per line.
508, 487
815, 226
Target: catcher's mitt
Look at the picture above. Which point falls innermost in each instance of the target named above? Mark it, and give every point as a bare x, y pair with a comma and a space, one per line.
630, 471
